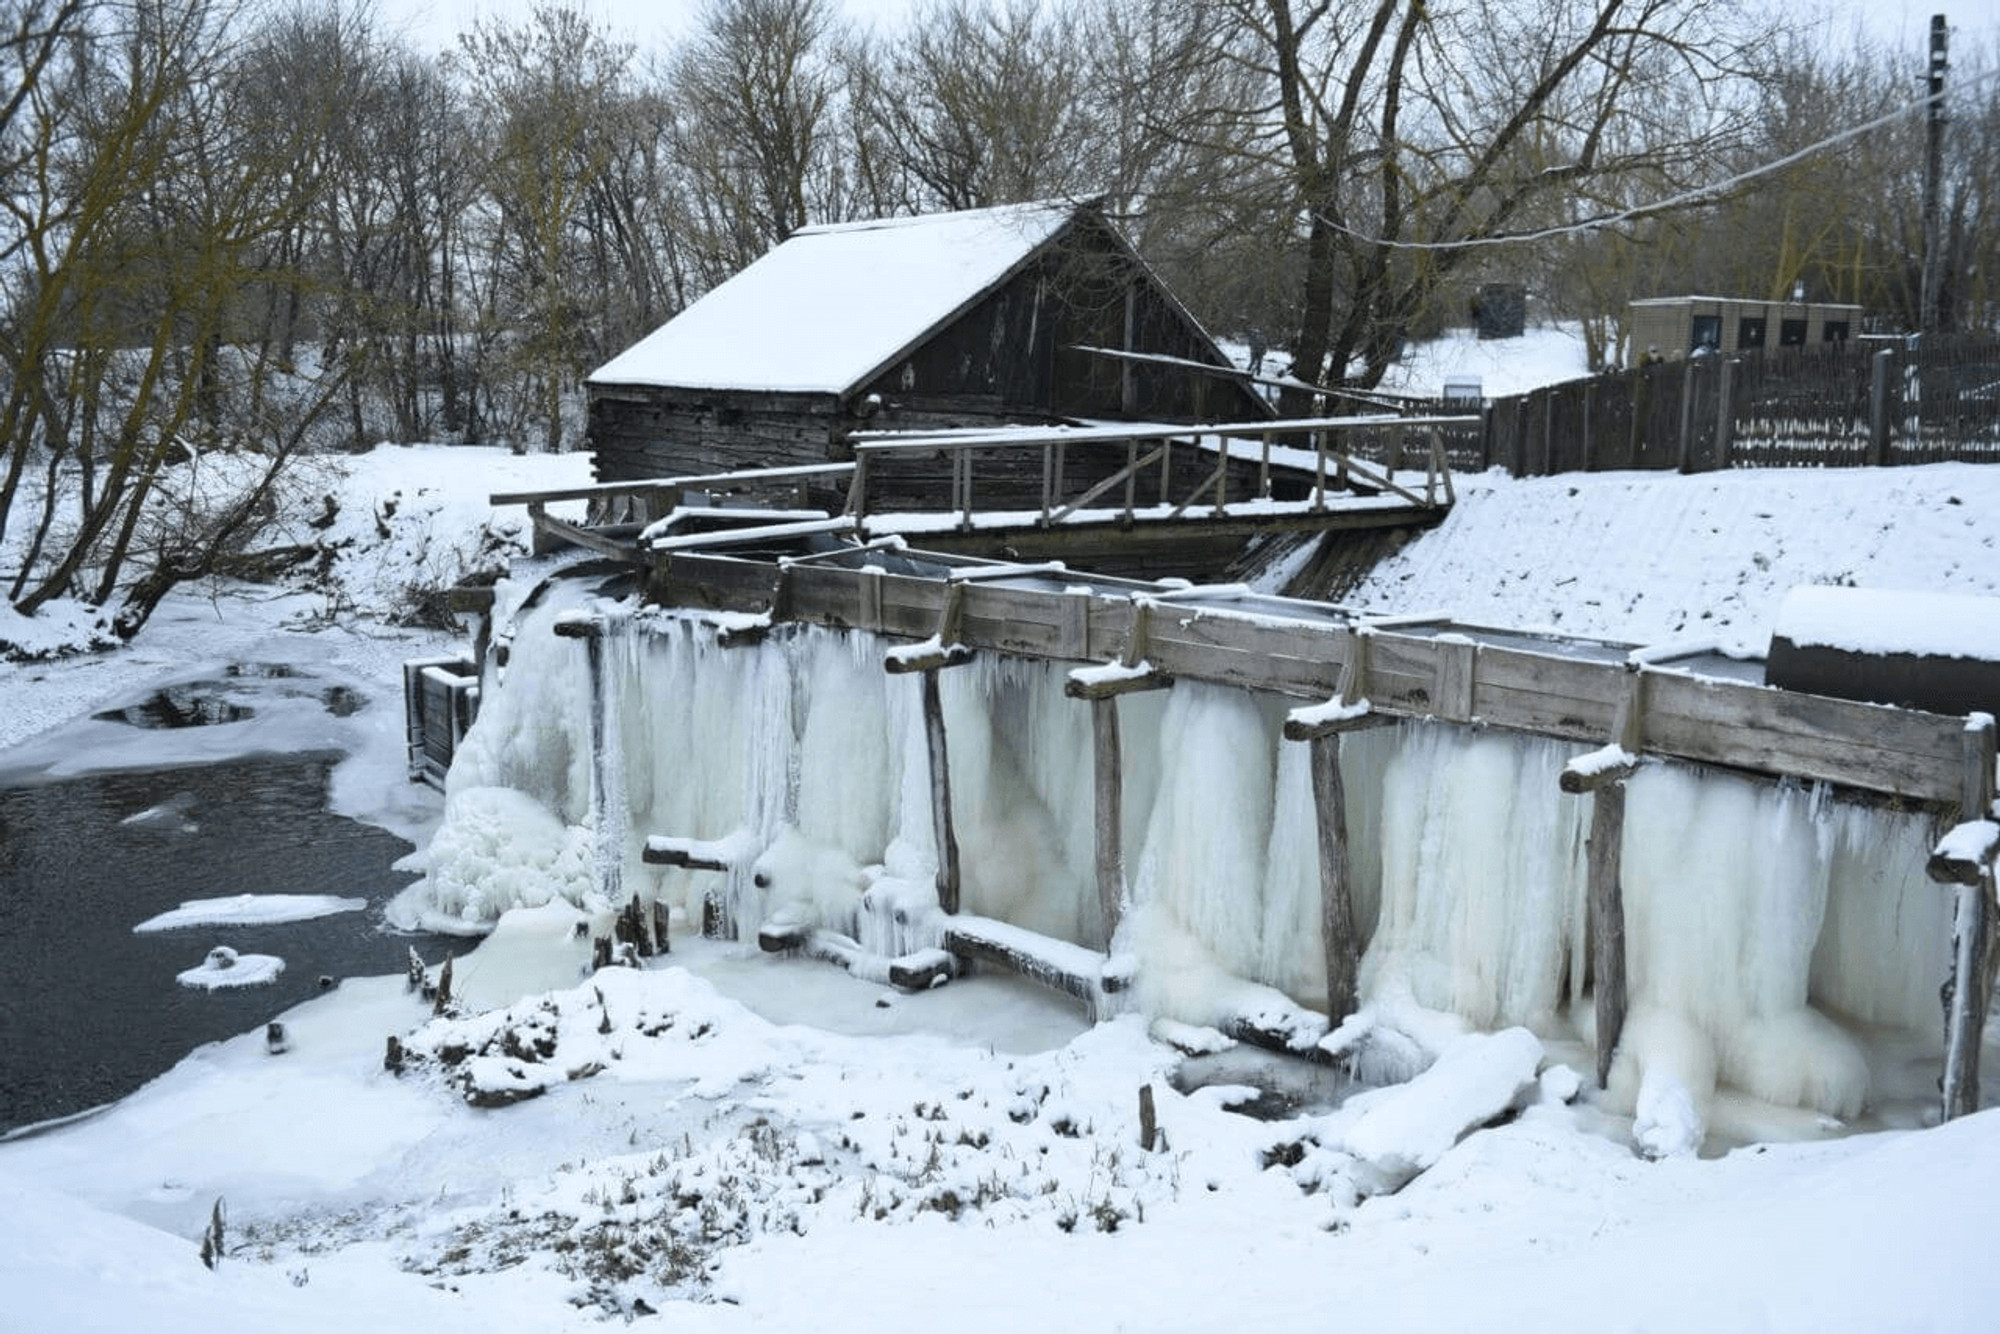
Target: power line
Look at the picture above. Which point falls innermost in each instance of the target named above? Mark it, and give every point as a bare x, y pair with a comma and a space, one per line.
1696, 196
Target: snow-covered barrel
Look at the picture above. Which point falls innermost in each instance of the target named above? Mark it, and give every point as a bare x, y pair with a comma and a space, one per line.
1934, 651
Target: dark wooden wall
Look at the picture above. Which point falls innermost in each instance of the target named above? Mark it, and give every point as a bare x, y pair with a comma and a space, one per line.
1012, 357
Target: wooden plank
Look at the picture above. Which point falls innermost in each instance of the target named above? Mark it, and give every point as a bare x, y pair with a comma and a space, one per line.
1457, 668
1729, 723
648, 485
1898, 751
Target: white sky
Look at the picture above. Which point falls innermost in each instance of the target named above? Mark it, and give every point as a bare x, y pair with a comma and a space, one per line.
435, 23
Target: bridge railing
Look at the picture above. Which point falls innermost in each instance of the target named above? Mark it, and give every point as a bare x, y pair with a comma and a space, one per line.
1135, 472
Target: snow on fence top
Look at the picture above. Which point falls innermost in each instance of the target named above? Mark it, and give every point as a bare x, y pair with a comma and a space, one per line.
833, 304
1876, 621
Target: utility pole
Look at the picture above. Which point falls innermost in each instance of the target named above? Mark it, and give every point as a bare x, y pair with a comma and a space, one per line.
1927, 312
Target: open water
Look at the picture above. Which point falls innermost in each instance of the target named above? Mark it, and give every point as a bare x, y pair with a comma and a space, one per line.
89, 1010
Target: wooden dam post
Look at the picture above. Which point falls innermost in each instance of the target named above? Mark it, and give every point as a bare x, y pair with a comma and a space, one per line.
1968, 993
1321, 727
607, 824
1101, 687
1602, 773
928, 658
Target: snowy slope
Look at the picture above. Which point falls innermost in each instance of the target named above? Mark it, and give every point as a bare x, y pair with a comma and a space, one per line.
1657, 557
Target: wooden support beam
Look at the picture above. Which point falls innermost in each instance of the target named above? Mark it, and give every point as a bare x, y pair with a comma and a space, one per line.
1071, 969
607, 815
1969, 991
941, 825
1108, 790
694, 854
922, 970
1349, 709
1602, 773
1607, 920
942, 649
1336, 900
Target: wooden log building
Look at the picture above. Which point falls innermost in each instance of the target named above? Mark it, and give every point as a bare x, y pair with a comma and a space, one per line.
1001, 315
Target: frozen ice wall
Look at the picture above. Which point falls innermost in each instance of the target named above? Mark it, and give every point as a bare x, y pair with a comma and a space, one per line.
1767, 925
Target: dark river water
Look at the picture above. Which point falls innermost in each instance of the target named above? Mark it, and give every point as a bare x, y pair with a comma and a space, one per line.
89, 1010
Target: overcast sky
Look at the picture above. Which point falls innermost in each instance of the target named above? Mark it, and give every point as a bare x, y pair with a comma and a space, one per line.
436, 23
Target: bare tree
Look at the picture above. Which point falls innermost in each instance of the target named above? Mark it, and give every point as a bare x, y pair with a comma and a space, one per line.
759, 89
545, 91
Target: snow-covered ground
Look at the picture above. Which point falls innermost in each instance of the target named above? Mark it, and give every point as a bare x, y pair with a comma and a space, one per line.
771, 1143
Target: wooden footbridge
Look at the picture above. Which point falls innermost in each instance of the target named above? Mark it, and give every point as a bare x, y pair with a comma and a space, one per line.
1120, 498
1619, 705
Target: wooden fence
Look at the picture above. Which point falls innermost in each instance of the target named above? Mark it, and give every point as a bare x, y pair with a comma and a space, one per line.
1846, 405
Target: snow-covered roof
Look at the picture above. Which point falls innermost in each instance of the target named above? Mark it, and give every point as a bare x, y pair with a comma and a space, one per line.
831, 306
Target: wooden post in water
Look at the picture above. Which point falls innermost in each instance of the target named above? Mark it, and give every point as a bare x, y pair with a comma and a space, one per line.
1101, 688
1971, 931
1602, 773
1336, 895
941, 651
947, 838
1321, 727
607, 824
1108, 788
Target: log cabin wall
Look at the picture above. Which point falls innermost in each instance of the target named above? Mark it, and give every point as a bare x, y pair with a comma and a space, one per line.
1011, 357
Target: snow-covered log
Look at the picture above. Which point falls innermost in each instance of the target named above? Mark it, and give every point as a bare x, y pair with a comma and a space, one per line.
1072, 969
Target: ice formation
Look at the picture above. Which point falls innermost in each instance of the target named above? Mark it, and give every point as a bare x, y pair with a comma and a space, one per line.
1771, 929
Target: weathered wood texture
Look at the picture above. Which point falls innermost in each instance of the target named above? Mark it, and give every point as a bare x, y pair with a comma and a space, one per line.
941, 823
1831, 405
1733, 724
1607, 921
1108, 791
1012, 355
1972, 929
1337, 936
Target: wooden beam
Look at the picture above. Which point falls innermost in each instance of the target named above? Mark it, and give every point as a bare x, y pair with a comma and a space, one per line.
1336, 899
1607, 920
1108, 792
1969, 991
1514, 685
941, 825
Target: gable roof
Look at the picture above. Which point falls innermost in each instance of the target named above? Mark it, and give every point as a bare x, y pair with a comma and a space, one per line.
830, 307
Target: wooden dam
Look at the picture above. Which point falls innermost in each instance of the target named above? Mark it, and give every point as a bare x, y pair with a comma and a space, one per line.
984, 583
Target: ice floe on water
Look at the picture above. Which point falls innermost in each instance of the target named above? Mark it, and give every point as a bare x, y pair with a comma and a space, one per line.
250, 910
225, 968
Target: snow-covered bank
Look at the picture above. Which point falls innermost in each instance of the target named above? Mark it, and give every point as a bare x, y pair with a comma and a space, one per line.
1656, 557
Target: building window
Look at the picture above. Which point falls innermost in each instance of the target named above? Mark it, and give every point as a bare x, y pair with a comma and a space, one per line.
1749, 332
1707, 333
1791, 333
1835, 331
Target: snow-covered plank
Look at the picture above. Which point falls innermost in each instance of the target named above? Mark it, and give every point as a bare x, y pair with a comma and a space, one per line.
718, 854
1072, 969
